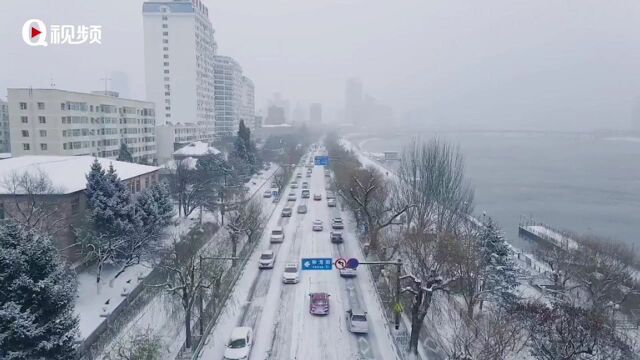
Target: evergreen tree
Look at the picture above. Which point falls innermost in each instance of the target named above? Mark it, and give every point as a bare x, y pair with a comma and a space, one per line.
36, 299
154, 209
124, 154
497, 258
244, 149
108, 201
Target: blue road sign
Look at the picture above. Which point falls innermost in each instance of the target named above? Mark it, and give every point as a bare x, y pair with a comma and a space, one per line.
321, 160
317, 263
353, 263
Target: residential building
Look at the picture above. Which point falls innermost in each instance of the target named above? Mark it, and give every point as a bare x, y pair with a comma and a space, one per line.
228, 95
275, 116
61, 122
279, 101
5, 140
179, 51
62, 207
315, 114
248, 104
173, 137
196, 150
353, 101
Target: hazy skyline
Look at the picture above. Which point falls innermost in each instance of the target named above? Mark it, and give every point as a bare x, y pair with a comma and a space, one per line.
507, 64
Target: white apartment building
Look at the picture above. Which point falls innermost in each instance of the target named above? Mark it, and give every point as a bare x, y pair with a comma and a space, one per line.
179, 51
5, 140
175, 136
248, 104
60, 122
228, 95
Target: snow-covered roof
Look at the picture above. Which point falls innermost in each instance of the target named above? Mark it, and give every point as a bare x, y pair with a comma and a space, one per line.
189, 162
196, 148
67, 173
277, 125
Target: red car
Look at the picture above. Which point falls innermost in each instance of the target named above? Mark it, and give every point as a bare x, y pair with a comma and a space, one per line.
319, 304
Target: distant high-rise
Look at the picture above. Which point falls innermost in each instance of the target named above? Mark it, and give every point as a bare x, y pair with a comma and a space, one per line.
5, 140
280, 102
228, 95
179, 50
248, 107
353, 101
275, 116
315, 114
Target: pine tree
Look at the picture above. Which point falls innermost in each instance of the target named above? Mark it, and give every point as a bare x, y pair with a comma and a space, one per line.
124, 154
108, 200
497, 258
36, 299
154, 209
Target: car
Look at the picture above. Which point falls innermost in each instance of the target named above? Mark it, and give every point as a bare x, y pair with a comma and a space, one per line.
239, 345
327, 173
336, 223
317, 197
286, 212
291, 274
319, 303
305, 185
317, 225
357, 321
331, 195
294, 185
267, 194
347, 273
302, 209
291, 197
299, 175
267, 259
277, 235
336, 236
275, 199
305, 194
259, 173
331, 202
308, 174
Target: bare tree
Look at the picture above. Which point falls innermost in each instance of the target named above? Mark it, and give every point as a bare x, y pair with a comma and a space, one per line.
189, 189
247, 219
187, 274
281, 177
33, 201
144, 345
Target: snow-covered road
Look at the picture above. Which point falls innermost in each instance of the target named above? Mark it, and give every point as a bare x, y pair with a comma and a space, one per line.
279, 313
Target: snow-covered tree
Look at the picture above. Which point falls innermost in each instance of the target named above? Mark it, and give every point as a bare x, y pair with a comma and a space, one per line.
243, 147
124, 154
500, 273
36, 298
143, 345
153, 207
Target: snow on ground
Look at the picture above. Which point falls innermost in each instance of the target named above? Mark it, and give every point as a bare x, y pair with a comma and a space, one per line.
279, 314
169, 325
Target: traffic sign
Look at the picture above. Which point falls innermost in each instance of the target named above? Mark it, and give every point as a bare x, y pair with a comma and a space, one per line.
340, 263
398, 308
353, 263
321, 160
317, 263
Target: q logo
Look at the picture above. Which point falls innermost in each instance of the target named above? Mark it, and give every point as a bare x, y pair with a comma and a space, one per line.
34, 32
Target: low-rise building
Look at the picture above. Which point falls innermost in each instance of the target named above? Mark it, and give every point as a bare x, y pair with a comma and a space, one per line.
171, 137
54, 186
5, 140
196, 150
60, 122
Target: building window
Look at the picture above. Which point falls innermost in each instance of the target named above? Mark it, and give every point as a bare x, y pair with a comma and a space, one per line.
166, 56
165, 17
165, 33
26, 147
62, 107
40, 106
43, 147
25, 133
166, 78
146, 181
166, 71
43, 133
23, 106
91, 108
165, 26
75, 205
165, 41
2, 211
168, 115
42, 119
137, 184
165, 48
24, 119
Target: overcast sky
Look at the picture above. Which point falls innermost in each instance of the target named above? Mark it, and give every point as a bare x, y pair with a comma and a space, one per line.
555, 64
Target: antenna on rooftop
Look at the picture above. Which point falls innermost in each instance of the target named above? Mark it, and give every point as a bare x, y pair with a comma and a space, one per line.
106, 80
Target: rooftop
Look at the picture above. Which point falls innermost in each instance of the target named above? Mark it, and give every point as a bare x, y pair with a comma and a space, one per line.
67, 173
196, 148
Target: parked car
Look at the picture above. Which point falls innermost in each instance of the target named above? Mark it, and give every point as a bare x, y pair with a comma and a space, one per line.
319, 303
277, 234
267, 194
302, 209
291, 197
357, 321
291, 274
317, 197
336, 237
331, 202
336, 223
317, 225
267, 259
348, 272
239, 345
305, 194
286, 212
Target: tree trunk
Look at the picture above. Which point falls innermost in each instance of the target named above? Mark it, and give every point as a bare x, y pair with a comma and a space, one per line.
234, 247
373, 239
416, 322
100, 263
187, 325
470, 309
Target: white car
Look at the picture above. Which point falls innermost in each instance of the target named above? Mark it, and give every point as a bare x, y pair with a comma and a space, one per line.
267, 194
357, 321
267, 259
348, 273
294, 185
277, 234
317, 197
336, 223
305, 185
291, 274
317, 225
291, 197
239, 345
331, 202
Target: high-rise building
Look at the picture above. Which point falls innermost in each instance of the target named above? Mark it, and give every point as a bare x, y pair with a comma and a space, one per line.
248, 109
5, 140
275, 116
279, 101
228, 95
353, 101
60, 122
315, 114
179, 50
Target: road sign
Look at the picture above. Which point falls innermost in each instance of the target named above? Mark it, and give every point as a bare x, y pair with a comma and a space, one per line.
353, 263
340, 263
317, 263
321, 160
